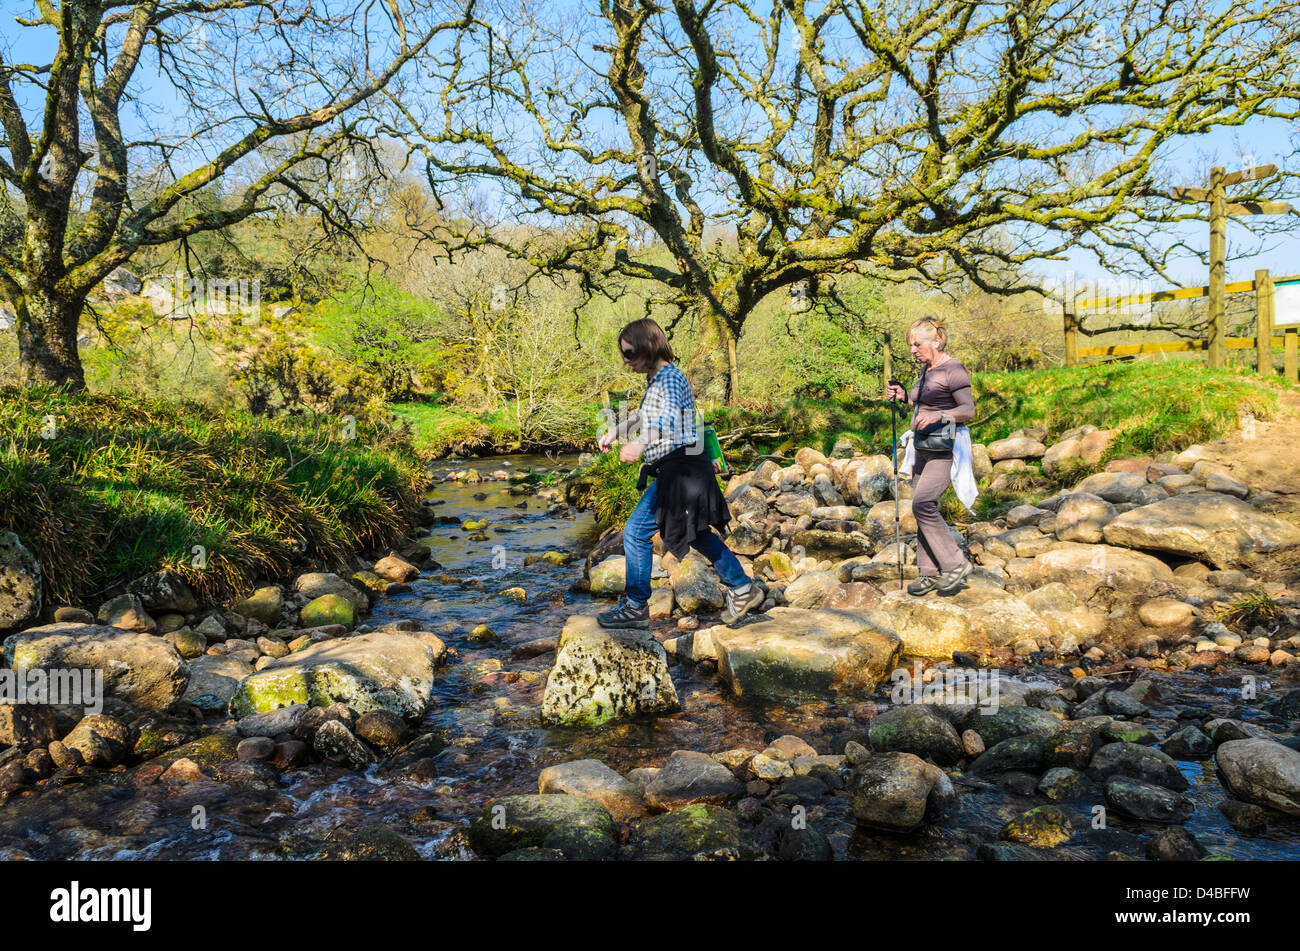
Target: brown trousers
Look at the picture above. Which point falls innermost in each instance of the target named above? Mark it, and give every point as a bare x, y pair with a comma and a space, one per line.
935, 548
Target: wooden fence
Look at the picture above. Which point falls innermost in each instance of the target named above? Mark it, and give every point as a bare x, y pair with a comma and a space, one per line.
1264, 342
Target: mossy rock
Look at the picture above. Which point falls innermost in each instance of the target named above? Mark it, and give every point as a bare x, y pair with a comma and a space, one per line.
699, 827
474, 524
372, 843
370, 580
557, 557
510, 823
160, 734
328, 609
208, 752
1042, 826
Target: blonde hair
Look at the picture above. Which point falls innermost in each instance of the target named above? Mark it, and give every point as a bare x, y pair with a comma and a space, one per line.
934, 330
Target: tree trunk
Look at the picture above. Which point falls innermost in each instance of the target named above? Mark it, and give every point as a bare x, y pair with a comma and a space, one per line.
714, 375
47, 341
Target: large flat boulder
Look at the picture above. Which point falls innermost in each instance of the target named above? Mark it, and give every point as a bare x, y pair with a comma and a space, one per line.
382, 670
1208, 526
806, 654
1085, 568
139, 668
601, 675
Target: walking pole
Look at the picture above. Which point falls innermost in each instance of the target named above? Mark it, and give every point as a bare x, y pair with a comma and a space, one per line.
893, 426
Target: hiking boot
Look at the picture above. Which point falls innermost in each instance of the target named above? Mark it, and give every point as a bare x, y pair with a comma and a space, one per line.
950, 581
741, 600
625, 614
923, 585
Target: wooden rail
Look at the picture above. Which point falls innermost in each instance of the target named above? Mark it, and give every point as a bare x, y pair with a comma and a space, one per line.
1265, 341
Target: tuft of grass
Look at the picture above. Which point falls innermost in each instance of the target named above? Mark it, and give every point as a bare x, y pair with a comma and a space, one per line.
607, 487
1245, 611
131, 485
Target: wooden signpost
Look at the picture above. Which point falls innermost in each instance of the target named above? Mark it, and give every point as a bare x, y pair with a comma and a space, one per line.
1220, 210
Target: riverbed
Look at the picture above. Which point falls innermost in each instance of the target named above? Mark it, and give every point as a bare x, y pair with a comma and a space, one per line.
485, 706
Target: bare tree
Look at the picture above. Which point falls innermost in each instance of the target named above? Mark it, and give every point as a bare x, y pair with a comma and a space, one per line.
195, 115
886, 135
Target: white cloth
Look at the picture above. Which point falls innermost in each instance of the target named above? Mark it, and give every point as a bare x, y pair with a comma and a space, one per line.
963, 465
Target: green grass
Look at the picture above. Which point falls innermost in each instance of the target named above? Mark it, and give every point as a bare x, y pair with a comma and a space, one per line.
132, 485
1153, 408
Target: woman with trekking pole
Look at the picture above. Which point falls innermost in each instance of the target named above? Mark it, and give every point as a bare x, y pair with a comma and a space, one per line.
684, 504
938, 454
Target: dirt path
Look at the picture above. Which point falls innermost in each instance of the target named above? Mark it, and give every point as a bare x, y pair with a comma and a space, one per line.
1266, 456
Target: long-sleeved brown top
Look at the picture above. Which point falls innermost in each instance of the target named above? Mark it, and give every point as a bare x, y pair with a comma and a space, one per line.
947, 390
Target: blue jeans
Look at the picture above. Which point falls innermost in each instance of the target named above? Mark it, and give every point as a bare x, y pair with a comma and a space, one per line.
638, 547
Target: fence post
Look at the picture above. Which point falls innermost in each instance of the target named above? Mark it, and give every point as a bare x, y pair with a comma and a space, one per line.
1214, 344
1263, 322
1289, 354
1071, 336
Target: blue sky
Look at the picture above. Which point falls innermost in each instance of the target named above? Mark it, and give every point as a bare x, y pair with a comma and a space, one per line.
1261, 142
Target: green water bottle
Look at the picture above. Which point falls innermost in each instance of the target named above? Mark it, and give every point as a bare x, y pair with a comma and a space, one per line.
715, 450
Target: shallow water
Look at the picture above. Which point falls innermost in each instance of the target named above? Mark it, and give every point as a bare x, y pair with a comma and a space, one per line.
497, 745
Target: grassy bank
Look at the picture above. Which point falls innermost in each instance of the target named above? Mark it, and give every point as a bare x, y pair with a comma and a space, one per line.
1152, 407
104, 489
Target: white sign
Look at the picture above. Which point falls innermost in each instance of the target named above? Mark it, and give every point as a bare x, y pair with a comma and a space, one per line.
1286, 304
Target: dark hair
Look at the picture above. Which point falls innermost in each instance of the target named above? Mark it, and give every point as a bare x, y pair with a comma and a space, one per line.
649, 344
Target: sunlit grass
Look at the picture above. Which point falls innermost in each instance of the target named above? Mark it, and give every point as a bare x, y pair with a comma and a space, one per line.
132, 485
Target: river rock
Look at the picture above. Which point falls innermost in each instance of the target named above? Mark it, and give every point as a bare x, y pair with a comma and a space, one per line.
610, 576
880, 519
1145, 801
335, 741
1085, 568
1206, 526
1082, 516
592, 779
805, 654
1136, 762
1015, 447
164, 592
20, 584
916, 729
821, 544
695, 587
865, 480
214, 678
898, 791
601, 675
327, 609
747, 502
1165, 612
101, 740
394, 568
127, 612
273, 722
1261, 771
381, 670
264, 604
27, 725
689, 777
1114, 487
316, 583
747, 539
581, 828
1042, 827
700, 830
141, 669
810, 588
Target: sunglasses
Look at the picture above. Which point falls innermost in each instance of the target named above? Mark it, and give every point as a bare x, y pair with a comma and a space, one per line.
628, 355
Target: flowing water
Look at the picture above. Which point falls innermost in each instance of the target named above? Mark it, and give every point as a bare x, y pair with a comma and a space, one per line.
486, 703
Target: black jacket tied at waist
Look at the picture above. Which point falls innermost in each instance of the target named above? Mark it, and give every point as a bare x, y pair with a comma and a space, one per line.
689, 501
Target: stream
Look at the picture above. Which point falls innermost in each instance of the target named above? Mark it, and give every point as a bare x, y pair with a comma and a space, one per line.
486, 702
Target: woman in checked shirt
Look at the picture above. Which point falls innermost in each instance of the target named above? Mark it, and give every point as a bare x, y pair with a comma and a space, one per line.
684, 505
